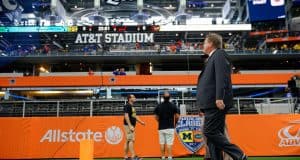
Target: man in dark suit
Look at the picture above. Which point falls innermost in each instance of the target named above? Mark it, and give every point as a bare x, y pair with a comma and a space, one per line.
214, 98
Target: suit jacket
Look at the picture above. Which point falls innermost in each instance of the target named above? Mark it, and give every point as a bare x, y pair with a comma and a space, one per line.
214, 82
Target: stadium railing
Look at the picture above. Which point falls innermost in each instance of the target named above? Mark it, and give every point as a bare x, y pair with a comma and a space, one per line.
143, 106
143, 53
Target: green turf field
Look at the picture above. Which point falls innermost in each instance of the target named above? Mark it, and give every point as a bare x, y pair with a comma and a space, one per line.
200, 158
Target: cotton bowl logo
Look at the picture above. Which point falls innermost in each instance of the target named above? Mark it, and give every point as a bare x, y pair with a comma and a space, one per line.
189, 131
290, 135
113, 135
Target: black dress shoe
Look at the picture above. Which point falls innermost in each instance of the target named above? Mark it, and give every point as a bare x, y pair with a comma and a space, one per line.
245, 157
137, 158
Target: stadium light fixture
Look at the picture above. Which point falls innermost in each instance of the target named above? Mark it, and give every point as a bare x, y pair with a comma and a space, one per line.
170, 7
83, 92
42, 69
151, 67
48, 92
64, 92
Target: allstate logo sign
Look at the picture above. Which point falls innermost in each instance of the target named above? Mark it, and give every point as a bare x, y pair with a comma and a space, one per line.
290, 135
113, 135
189, 131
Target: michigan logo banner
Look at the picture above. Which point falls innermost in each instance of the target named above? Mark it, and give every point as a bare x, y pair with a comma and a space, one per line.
189, 132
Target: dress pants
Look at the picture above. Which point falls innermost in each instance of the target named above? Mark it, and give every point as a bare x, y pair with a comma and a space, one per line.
225, 155
217, 142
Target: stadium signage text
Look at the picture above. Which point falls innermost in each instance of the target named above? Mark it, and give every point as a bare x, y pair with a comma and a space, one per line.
91, 38
70, 136
113, 135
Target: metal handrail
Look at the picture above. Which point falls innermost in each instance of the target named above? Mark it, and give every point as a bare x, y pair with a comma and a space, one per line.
143, 53
259, 103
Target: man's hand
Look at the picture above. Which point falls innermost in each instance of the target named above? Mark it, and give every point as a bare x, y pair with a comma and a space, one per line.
131, 128
142, 123
220, 104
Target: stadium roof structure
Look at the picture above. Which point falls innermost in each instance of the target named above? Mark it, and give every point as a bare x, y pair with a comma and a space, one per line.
94, 12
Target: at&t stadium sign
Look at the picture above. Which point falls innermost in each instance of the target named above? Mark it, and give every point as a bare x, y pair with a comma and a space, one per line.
92, 38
